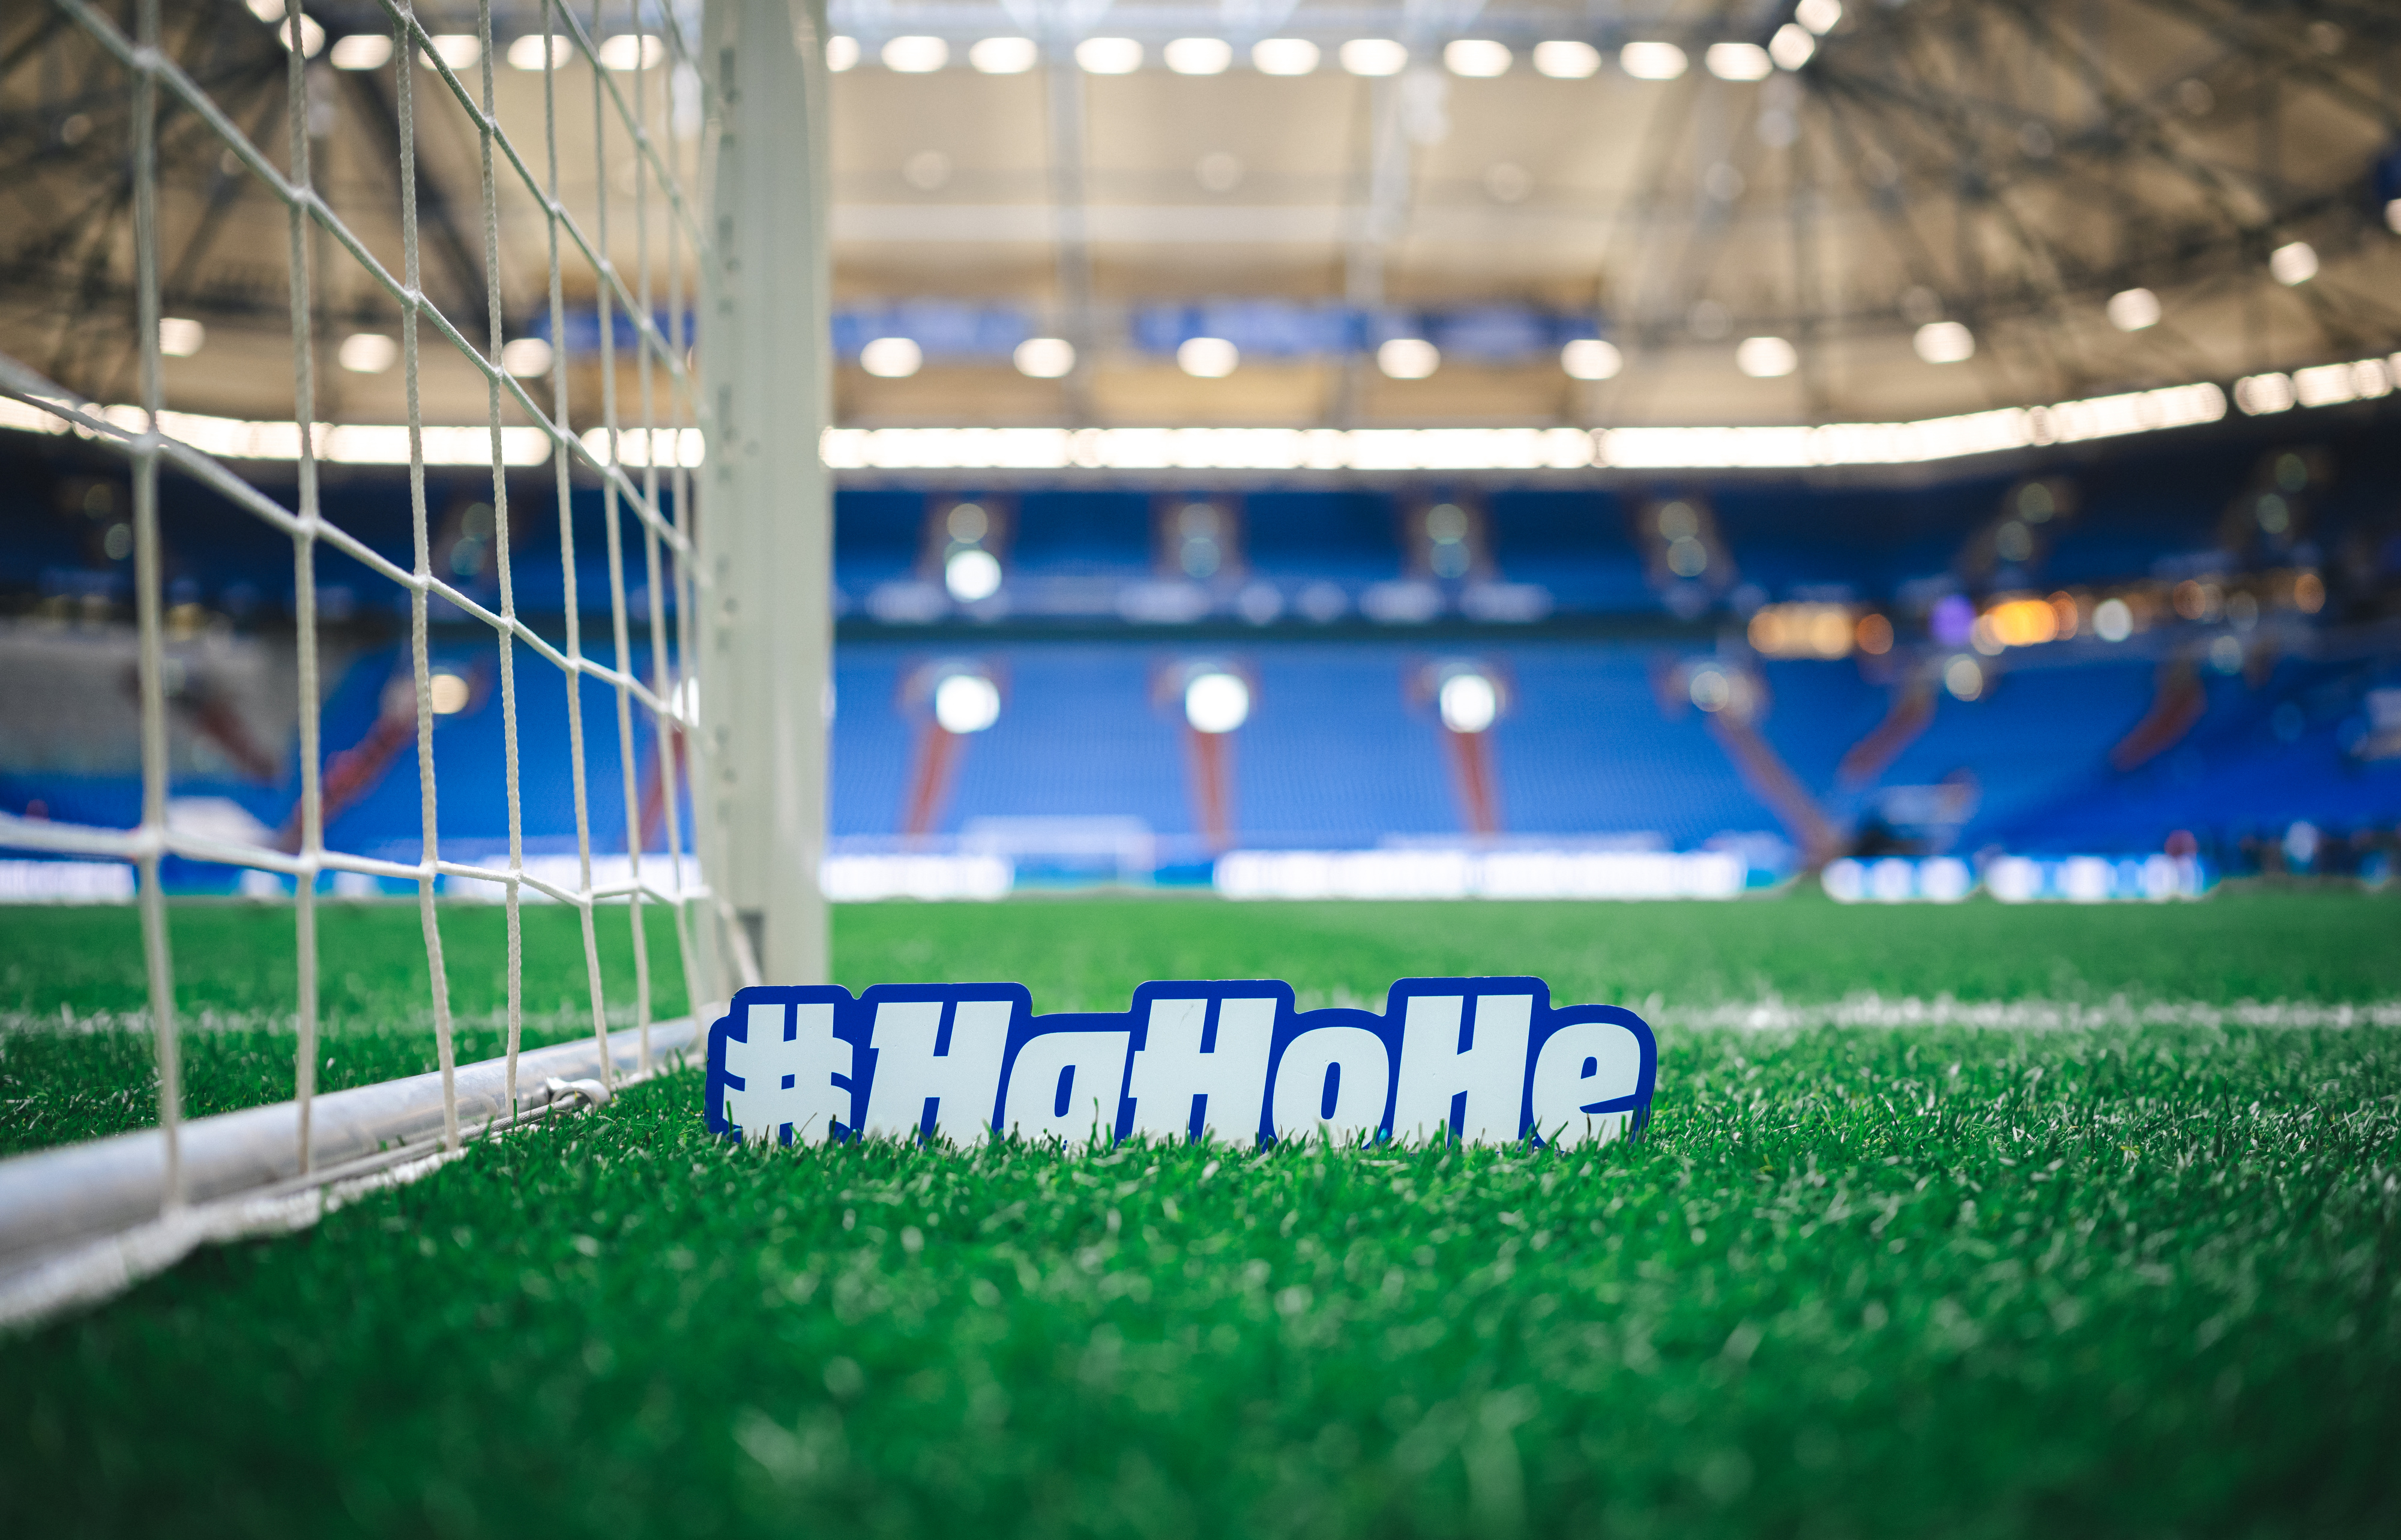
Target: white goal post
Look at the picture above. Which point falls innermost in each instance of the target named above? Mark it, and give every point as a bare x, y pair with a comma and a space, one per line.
725, 224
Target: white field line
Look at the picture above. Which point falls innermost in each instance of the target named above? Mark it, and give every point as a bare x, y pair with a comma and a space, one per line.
2118, 1013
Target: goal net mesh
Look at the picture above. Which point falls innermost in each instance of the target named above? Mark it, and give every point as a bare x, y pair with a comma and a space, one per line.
618, 90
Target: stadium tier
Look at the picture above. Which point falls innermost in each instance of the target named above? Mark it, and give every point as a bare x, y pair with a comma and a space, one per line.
2110, 654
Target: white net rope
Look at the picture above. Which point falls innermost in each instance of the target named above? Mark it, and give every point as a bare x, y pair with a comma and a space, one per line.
653, 174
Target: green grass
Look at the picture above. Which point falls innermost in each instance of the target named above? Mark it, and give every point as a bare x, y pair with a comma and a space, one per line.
1854, 1283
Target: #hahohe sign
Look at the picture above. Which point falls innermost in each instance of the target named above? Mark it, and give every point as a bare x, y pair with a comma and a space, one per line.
1482, 1060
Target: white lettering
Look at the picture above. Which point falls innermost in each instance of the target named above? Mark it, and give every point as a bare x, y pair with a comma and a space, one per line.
788, 1081
1435, 1069
1067, 1085
1361, 1070
1587, 1062
1171, 1068
963, 1083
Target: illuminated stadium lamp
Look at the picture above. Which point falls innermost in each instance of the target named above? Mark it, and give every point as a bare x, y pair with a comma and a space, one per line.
2134, 309
180, 337
966, 703
461, 50
1197, 55
1373, 56
1818, 16
313, 36
1766, 358
1652, 61
1216, 702
1286, 56
972, 575
915, 55
1468, 703
1108, 55
1004, 55
1477, 58
629, 52
2294, 262
1944, 342
371, 50
891, 358
1567, 61
1045, 357
1207, 358
1738, 62
1408, 358
1964, 677
1792, 46
368, 353
842, 54
449, 694
526, 356
2113, 620
534, 51
1591, 358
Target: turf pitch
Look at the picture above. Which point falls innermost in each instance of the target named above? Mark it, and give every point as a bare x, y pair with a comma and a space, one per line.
2125, 1280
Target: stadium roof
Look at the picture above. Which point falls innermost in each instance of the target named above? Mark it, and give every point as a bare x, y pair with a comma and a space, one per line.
1929, 209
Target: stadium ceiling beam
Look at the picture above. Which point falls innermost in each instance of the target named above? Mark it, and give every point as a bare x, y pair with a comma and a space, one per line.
436, 214
2244, 34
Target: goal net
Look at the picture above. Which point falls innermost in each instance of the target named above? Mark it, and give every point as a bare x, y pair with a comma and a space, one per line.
581, 135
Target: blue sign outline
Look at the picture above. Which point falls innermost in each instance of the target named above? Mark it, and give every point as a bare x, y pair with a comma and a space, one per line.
854, 1020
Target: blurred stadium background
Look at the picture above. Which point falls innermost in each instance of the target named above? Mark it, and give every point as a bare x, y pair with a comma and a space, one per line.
1372, 451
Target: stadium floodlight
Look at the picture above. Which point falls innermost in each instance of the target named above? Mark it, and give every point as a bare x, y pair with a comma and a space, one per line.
180, 337
1468, 703
892, 358
313, 36
1216, 702
461, 50
1004, 55
1286, 56
1652, 61
1944, 342
526, 356
366, 51
972, 575
1197, 55
1591, 358
1738, 62
840, 54
537, 51
1477, 58
1374, 56
2134, 309
915, 55
1207, 358
1818, 16
966, 703
1792, 46
1566, 60
632, 51
2294, 263
368, 353
1108, 56
1766, 358
1045, 357
1408, 358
